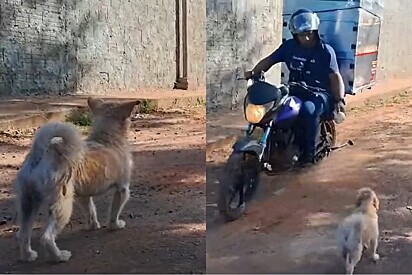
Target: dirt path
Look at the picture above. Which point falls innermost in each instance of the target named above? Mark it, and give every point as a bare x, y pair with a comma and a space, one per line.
290, 228
165, 230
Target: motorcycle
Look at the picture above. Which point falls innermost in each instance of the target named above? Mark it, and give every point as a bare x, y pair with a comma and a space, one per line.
274, 110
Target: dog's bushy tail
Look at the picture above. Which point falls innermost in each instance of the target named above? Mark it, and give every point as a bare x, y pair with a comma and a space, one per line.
61, 141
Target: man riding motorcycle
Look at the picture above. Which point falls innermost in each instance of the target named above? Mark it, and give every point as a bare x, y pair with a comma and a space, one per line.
312, 61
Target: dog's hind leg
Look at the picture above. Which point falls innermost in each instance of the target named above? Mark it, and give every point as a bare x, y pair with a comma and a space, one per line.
120, 198
349, 267
60, 211
352, 258
28, 206
90, 212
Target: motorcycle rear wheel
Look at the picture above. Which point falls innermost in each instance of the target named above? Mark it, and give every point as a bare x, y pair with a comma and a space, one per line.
328, 140
330, 132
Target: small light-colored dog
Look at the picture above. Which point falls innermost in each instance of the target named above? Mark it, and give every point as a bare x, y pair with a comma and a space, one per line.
360, 230
61, 166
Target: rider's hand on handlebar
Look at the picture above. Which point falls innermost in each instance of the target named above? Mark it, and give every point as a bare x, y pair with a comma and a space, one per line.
341, 107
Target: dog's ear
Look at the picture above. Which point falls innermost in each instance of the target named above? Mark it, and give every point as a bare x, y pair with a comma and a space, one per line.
125, 110
94, 103
375, 202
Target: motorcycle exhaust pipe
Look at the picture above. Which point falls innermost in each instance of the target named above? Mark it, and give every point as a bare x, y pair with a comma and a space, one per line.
349, 142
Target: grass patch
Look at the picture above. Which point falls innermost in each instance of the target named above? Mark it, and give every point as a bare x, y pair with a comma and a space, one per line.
200, 103
80, 117
146, 106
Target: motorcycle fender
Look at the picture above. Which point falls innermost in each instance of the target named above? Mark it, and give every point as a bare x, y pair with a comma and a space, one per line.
247, 145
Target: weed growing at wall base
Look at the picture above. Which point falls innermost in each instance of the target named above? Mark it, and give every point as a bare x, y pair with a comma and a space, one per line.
80, 117
147, 106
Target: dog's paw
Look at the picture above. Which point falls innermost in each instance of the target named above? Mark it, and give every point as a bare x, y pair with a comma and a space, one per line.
93, 225
30, 256
64, 256
375, 257
120, 224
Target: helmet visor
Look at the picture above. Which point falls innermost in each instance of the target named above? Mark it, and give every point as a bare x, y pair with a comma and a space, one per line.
304, 22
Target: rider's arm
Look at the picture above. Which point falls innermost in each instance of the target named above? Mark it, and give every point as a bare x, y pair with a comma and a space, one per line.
277, 56
337, 86
336, 81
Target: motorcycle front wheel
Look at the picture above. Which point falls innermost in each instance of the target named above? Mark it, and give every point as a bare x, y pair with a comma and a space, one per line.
240, 182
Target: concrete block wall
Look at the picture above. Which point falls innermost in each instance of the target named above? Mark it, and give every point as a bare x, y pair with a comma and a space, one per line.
95, 46
34, 46
196, 32
239, 34
126, 44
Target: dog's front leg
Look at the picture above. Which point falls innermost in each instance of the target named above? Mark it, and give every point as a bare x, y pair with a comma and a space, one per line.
374, 245
60, 212
120, 198
89, 209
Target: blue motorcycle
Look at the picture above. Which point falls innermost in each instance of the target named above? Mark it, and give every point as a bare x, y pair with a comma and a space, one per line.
274, 111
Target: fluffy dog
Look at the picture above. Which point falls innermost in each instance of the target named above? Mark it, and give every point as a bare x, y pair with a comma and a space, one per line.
62, 166
360, 230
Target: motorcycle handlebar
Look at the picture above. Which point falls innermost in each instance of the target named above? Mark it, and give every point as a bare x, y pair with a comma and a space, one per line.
261, 77
256, 77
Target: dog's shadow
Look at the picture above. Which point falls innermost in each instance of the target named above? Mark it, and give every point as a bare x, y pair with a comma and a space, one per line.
394, 255
88, 240
336, 265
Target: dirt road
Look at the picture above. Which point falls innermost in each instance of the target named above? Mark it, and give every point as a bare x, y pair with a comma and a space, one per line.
290, 228
165, 230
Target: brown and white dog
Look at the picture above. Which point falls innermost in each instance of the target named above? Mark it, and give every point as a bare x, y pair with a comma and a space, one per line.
360, 230
61, 166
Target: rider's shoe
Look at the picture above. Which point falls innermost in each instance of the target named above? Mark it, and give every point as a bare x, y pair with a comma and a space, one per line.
306, 160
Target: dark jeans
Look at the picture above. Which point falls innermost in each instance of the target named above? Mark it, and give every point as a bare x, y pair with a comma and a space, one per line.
315, 104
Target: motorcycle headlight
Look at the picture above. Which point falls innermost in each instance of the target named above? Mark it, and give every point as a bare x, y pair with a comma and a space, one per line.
255, 113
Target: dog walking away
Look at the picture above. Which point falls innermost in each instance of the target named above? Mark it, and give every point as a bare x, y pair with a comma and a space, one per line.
360, 230
61, 166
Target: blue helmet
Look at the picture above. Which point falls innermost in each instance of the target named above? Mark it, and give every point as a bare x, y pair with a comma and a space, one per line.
303, 20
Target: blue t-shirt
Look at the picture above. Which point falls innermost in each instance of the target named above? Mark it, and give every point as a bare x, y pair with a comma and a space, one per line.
316, 72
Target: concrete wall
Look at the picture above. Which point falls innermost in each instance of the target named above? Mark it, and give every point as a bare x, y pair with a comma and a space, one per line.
239, 34
96, 46
196, 18
395, 53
